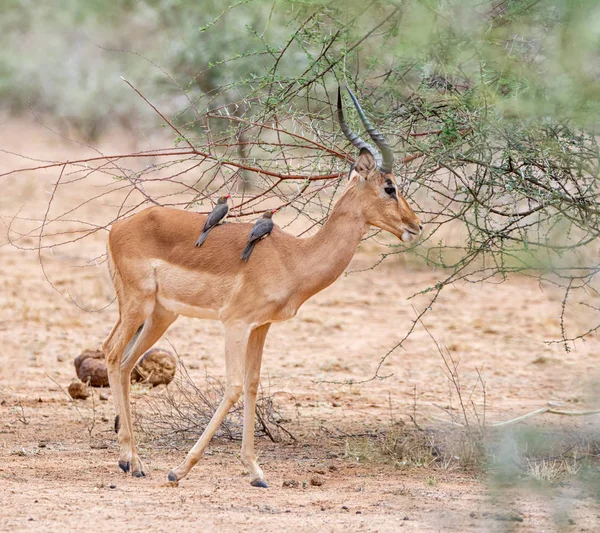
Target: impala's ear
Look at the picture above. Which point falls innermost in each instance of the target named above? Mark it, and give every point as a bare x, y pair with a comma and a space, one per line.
365, 163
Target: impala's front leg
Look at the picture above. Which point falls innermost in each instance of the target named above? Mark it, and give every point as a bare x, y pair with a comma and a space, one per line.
251, 379
236, 342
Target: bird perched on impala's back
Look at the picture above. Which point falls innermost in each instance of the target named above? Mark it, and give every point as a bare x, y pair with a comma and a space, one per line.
261, 229
215, 217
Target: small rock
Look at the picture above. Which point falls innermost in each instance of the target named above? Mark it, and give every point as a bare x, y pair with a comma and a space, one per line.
103, 396
571, 522
406, 518
358, 512
473, 514
290, 483
316, 481
112, 486
156, 367
332, 468
344, 507
78, 390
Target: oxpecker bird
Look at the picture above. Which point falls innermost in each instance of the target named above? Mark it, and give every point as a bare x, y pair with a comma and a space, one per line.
261, 229
215, 217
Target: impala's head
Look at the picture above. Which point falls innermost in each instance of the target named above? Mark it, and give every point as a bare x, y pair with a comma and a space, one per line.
373, 177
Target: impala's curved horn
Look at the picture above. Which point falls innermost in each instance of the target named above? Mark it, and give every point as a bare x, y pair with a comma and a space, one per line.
350, 135
388, 156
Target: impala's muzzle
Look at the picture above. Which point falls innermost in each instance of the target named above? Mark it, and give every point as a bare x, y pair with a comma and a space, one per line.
412, 232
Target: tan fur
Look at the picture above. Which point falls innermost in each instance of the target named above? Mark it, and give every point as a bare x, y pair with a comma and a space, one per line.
159, 274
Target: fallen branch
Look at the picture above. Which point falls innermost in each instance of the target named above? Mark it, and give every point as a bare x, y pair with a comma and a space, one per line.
543, 410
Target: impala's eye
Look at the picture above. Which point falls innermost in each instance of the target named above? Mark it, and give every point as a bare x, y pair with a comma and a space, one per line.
390, 190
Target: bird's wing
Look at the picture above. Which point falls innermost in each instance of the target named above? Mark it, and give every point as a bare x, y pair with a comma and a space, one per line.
262, 227
217, 214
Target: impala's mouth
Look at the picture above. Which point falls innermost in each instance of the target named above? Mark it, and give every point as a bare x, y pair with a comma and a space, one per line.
409, 234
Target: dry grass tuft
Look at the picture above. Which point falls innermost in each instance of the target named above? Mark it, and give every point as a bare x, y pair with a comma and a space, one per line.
407, 446
552, 470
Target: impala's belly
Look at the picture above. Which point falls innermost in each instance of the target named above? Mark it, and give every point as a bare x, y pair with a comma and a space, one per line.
182, 308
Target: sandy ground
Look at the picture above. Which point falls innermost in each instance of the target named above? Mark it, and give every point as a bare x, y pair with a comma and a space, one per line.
58, 458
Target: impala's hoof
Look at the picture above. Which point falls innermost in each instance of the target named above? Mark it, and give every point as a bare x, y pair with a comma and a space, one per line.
172, 476
124, 465
139, 473
259, 483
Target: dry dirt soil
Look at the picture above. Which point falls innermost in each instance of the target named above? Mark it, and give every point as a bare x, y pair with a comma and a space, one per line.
58, 458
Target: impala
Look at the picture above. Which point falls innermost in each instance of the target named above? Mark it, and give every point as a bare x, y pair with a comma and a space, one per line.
159, 274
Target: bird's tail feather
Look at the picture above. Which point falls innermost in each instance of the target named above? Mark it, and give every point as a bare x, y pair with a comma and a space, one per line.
202, 238
248, 250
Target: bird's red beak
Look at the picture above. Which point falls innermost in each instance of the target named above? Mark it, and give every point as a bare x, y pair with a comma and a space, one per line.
228, 196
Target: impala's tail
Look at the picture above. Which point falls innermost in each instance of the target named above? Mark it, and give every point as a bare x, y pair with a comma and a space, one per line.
115, 277
248, 250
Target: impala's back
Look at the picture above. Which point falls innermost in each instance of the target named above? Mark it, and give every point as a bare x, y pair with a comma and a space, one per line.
154, 255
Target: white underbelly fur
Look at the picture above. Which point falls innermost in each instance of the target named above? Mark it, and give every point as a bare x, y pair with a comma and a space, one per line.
181, 308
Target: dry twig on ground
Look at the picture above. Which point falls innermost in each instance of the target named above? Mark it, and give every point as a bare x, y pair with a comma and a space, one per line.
178, 414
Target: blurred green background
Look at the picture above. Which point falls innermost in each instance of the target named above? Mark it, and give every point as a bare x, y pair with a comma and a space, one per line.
66, 58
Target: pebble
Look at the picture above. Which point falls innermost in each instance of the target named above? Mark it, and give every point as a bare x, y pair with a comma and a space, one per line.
316, 481
78, 390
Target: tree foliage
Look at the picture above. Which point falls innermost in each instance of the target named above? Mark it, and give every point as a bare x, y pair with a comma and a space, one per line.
491, 106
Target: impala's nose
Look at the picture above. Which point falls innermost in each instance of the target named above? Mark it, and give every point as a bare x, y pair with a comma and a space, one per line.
415, 228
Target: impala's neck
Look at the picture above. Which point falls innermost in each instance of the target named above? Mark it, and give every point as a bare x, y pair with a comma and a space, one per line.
325, 256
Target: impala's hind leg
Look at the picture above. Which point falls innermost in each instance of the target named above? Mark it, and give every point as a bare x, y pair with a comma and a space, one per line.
120, 363
125, 331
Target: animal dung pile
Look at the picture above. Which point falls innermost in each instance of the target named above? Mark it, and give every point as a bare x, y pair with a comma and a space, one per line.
91, 368
156, 367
